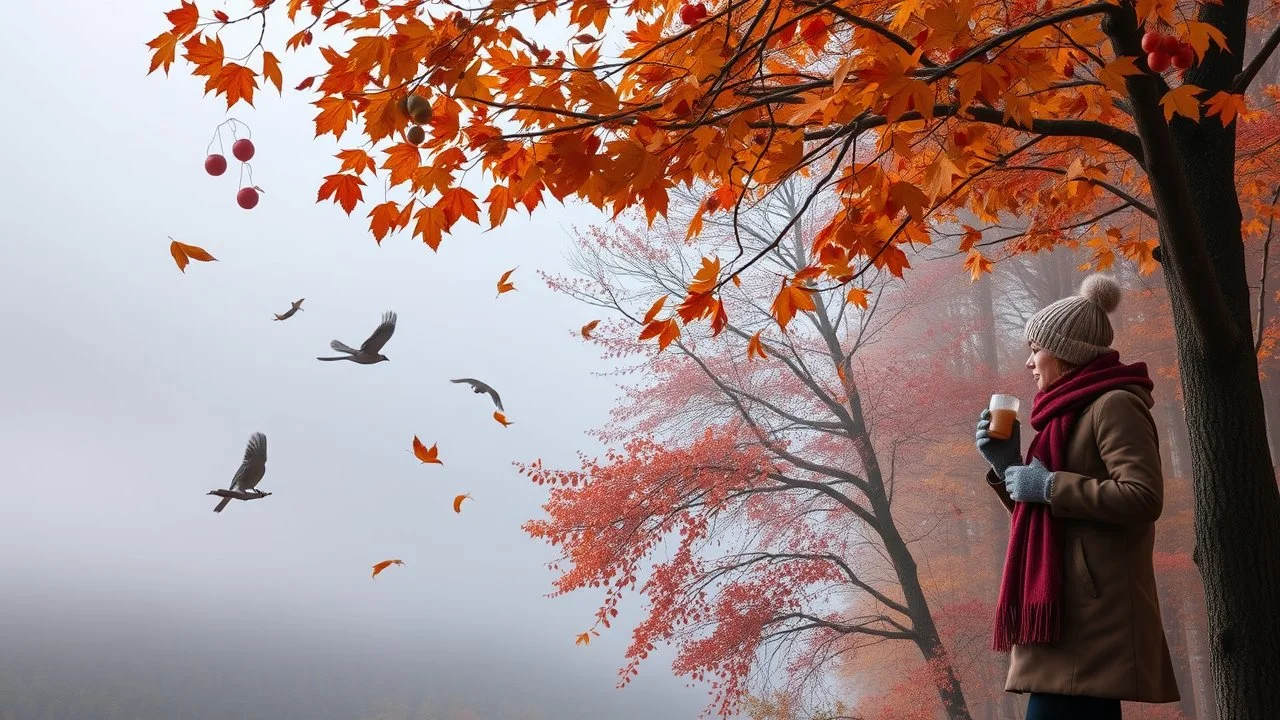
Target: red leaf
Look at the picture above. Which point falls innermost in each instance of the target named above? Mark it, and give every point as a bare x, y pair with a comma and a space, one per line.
184, 19
344, 189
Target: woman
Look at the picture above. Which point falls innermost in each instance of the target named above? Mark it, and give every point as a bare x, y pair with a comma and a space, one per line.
1077, 604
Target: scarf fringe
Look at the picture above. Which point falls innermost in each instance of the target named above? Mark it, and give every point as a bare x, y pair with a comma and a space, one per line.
1035, 623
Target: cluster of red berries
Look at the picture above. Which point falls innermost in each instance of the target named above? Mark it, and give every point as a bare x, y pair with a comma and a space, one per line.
215, 164
1165, 50
693, 14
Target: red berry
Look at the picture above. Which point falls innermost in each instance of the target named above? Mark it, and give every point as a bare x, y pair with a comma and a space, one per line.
1184, 57
242, 149
1152, 41
693, 14
247, 198
1170, 45
215, 164
1158, 61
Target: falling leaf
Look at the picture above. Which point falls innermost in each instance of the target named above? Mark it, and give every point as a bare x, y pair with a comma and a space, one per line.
221, 16
424, 453
379, 567
503, 284
306, 82
183, 253
583, 639
1182, 101
755, 347
586, 329
457, 502
502, 418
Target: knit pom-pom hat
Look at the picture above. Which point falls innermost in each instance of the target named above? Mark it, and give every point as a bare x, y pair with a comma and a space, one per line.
1075, 329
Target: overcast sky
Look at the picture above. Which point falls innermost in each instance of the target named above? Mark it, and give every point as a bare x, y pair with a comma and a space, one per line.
129, 390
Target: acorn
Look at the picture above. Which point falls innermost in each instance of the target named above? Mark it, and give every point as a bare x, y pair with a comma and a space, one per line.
419, 109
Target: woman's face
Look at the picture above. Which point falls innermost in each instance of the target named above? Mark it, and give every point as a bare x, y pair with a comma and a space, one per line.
1045, 368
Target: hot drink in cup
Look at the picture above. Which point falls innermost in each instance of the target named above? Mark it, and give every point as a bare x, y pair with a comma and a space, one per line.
1004, 411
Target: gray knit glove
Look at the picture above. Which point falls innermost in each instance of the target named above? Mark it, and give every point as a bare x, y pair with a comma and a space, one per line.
1000, 454
1029, 483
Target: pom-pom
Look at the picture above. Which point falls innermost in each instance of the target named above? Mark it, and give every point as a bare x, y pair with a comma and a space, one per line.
1101, 290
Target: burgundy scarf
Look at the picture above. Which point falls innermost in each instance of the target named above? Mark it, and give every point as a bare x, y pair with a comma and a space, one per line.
1029, 610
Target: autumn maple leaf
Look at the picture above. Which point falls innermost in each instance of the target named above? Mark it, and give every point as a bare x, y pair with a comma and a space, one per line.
586, 329
424, 453
790, 300
755, 347
976, 264
502, 419
183, 254
379, 567
343, 188
503, 284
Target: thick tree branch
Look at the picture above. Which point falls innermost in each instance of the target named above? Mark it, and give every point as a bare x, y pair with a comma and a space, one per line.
1122, 139
848, 572
1142, 207
1240, 82
817, 622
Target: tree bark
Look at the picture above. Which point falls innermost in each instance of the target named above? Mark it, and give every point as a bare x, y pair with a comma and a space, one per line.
1237, 507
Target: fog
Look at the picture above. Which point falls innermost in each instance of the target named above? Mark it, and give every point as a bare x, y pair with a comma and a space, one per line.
129, 389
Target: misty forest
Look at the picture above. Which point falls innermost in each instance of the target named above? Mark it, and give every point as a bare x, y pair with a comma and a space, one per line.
552, 359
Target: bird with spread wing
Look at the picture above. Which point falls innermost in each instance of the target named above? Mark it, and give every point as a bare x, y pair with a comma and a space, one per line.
295, 306
252, 468
370, 352
479, 387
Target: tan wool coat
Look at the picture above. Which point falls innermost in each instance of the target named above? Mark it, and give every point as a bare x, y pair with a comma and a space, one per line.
1110, 493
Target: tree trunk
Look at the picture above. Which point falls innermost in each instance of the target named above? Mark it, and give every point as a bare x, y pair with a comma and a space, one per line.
1191, 168
1237, 507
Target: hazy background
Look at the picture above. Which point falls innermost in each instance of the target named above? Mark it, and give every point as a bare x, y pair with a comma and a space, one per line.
128, 390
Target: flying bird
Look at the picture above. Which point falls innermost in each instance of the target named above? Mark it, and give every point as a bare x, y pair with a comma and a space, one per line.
295, 306
368, 353
479, 387
251, 469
